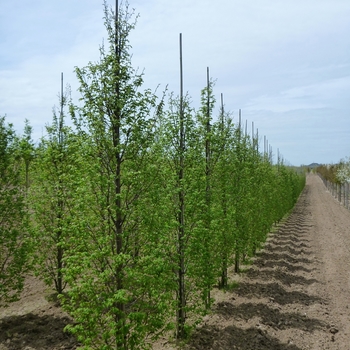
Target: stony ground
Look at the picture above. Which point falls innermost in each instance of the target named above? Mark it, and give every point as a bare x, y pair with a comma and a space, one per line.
295, 295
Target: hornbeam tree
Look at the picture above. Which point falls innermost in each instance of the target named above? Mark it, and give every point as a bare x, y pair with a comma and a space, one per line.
182, 154
14, 243
206, 243
115, 267
50, 194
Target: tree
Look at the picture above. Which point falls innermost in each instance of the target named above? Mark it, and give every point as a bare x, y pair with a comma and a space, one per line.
114, 268
206, 240
14, 243
179, 141
51, 195
343, 171
223, 208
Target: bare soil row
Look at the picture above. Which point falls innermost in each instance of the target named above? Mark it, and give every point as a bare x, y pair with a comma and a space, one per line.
295, 295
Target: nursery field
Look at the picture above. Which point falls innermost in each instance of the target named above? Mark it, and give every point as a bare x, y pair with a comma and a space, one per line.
293, 296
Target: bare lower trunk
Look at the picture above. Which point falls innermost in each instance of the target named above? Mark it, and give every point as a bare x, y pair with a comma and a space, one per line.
224, 278
59, 284
181, 312
237, 258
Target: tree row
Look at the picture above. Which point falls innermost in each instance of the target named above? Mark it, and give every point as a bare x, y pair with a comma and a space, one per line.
140, 208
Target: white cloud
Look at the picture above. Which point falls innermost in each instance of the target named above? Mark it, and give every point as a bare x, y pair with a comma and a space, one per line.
326, 94
282, 62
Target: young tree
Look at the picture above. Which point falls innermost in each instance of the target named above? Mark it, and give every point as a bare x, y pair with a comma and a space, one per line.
14, 243
206, 239
343, 171
223, 208
51, 194
114, 268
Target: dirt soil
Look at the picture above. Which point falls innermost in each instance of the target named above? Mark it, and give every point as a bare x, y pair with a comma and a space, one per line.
295, 295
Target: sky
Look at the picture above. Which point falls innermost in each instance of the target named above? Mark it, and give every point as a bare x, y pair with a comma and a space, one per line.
285, 64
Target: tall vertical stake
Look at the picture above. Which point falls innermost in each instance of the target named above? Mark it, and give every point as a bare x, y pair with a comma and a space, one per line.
222, 108
240, 120
181, 316
60, 126
118, 220
208, 193
207, 141
60, 204
208, 94
116, 33
181, 80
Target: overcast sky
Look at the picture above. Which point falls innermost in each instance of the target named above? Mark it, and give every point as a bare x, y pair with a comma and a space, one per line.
284, 63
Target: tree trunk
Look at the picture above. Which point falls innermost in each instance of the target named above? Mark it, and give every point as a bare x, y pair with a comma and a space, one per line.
181, 314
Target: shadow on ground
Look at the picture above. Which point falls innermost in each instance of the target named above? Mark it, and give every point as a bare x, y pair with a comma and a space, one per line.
281, 276
276, 293
269, 316
267, 256
32, 331
283, 264
232, 337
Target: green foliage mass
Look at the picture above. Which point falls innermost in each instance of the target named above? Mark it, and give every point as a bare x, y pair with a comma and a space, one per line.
141, 207
53, 183
329, 172
14, 243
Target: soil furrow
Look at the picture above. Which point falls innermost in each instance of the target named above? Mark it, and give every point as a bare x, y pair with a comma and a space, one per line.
296, 293
294, 296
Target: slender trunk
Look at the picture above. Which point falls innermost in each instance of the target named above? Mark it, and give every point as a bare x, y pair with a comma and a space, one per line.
60, 202
118, 229
118, 219
224, 261
224, 279
181, 314
27, 176
238, 196
59, 234
59, 252
208, 195
237, 258
59, 276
